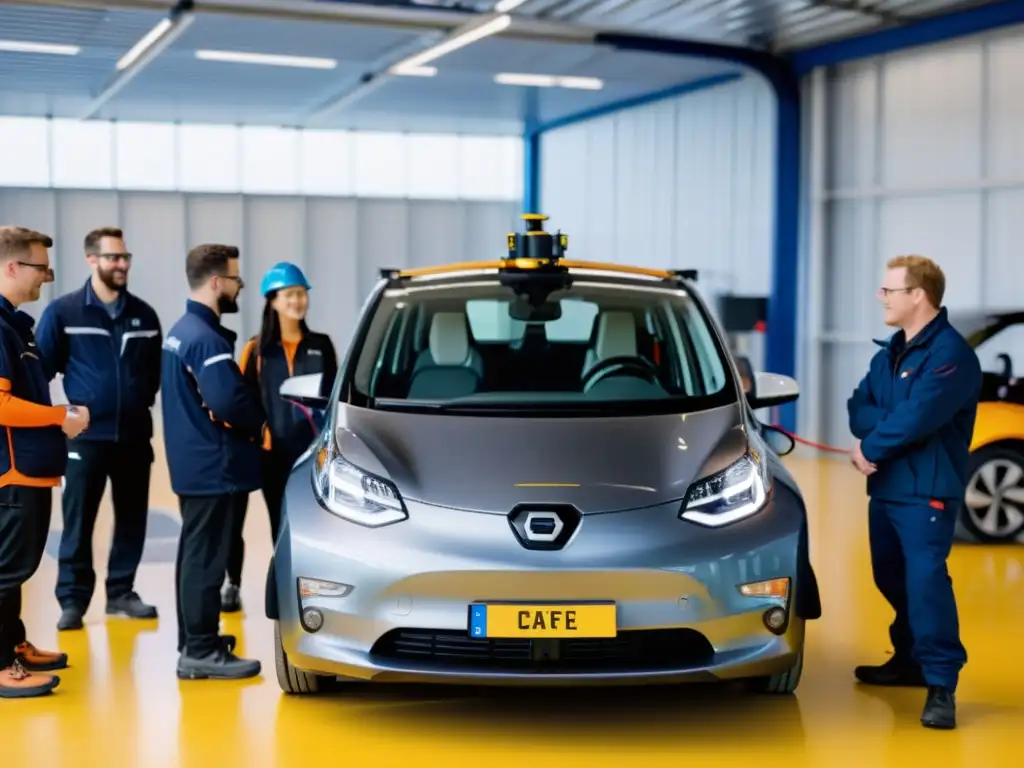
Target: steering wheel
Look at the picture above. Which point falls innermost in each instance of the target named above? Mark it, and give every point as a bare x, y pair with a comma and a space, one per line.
622, 365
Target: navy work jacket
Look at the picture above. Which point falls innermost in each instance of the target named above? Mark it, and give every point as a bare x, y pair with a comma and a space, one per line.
213, 426
36, 452
914, 413
110, 365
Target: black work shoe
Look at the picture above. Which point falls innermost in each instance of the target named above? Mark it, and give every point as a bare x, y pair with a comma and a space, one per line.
939, 709
131, 606
220, 664
70, 618
895, 672
230, 599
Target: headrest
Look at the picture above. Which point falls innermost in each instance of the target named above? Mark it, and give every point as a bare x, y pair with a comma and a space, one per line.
449, 338
616, 335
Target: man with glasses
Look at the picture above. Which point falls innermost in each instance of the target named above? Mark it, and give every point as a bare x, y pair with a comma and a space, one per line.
913, 417
32, 458
106, 342
214, 427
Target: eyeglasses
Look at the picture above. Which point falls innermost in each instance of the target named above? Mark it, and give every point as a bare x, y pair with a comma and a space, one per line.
237, 279
45, 268
883, 291
116, 257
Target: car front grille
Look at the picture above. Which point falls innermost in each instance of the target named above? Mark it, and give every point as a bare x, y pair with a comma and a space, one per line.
632, 650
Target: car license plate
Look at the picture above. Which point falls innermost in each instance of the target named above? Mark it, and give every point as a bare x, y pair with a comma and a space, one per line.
508, 620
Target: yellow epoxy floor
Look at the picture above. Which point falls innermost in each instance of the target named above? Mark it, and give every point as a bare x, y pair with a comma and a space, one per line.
120, 704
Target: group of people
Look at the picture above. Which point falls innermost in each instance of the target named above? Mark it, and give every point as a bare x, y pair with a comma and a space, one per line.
227, 432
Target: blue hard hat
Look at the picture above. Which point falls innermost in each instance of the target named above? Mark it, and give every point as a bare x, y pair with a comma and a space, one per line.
283, 275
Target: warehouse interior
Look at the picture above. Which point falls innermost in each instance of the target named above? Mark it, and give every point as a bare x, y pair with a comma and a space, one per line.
785, 149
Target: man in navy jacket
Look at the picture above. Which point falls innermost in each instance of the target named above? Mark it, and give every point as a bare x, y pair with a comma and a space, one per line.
213, 432
913, 416
106, 343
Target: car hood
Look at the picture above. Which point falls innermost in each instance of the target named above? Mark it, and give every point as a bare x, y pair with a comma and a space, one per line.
492, 463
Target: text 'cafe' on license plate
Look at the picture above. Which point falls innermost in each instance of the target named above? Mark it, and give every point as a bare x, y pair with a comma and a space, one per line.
542, 620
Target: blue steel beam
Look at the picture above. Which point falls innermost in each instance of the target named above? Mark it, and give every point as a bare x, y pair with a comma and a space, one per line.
937, 29
782, 330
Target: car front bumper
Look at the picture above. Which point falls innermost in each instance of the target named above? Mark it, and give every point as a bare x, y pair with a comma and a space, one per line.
680, 613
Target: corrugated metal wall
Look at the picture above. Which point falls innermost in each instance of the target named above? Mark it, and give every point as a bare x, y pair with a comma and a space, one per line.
684, 182
925, 154
339, 242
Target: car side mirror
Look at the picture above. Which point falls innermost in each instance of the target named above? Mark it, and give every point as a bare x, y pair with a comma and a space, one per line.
304, 390
1007, 365
780, 442
771, 389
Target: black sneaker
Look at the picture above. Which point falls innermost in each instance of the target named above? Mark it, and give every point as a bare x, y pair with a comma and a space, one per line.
219, 664
939, 709
131, 606
895, 672
230, 599
70, 618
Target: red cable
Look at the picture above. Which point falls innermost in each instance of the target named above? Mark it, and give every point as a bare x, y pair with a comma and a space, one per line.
812, 444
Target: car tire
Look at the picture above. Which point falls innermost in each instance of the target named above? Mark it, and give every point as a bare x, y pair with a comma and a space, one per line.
782, 682
992, 524
292, 680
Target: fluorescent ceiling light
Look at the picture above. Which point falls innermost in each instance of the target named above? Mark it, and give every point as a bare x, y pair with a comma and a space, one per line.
504, 6
20, 46
549, 81
413, 63
150, 39
267, 59
415, 71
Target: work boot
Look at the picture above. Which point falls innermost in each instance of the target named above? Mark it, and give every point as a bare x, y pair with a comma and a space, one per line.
70, 618
895, 672
230, 599
939, 709
35, 660
219, 664
131, 606
16, 682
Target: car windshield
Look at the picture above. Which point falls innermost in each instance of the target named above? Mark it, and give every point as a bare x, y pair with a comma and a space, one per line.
481, 345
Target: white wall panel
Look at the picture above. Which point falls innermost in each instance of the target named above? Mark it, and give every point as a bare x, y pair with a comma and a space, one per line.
685, 182
925, 155
339, 242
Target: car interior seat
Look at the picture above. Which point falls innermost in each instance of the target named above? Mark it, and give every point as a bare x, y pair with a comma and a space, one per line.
616, 337
449, 372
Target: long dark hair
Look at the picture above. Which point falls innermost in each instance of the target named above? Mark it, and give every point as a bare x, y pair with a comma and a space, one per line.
270, 326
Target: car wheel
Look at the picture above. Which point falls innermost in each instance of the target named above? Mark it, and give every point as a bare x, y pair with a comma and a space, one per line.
294, 680
993, 508
782, 683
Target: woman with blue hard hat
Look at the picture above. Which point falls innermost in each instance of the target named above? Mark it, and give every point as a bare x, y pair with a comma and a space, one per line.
284, 347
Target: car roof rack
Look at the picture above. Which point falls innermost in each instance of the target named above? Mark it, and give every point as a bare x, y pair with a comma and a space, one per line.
537, 249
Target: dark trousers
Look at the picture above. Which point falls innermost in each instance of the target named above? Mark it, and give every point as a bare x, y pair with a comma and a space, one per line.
90, 464
909, 547
275, 470
199, 570
24, 525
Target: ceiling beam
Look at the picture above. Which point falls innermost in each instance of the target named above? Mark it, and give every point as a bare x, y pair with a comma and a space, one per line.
352, 13
142, 53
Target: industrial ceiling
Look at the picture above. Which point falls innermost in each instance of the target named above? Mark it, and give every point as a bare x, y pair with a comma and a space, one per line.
466, 66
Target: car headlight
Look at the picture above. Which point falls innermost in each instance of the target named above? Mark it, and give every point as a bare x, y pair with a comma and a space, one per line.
350, 493
738, 491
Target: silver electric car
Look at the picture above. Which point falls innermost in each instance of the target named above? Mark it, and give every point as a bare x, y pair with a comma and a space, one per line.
541, 471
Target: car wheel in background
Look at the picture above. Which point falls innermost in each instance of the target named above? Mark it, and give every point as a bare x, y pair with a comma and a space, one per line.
993, 508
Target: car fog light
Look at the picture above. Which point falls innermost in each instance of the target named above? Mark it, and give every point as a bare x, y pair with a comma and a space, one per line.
312, 619
320, 588
775, 620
